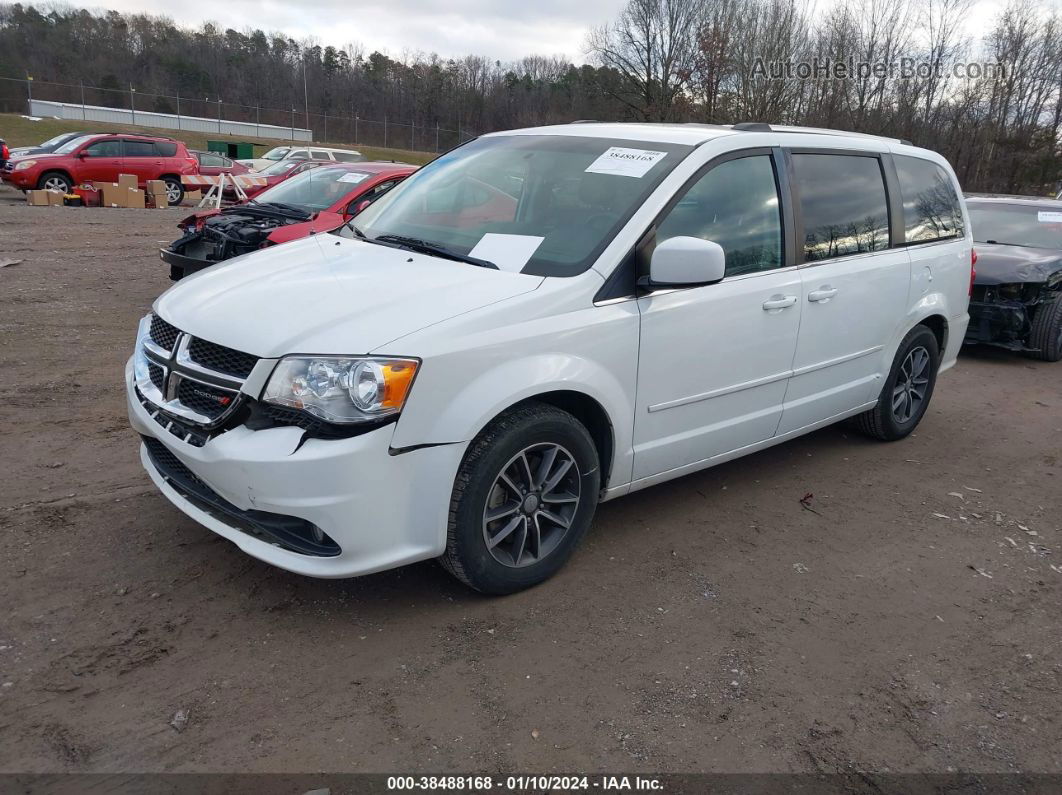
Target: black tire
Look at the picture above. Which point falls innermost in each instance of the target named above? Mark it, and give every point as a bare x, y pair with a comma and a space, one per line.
884, 421
174, 190
1046, 335
53, 180
530, 428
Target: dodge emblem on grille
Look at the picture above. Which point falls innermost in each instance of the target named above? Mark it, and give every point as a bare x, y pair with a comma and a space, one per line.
221, 400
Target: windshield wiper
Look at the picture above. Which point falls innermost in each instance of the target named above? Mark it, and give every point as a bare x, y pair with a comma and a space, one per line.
427, 247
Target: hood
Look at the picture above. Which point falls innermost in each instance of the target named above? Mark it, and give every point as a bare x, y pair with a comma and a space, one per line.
1002, 264
330, 295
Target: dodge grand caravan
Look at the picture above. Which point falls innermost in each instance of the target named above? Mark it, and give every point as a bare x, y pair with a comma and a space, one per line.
541, 320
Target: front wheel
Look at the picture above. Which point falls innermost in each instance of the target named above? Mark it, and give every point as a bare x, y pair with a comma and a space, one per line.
905, 396
1046, 336
55, 181
524, 495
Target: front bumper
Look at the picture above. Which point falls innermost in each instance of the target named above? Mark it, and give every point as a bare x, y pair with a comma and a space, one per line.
1003, 323
382, 510
181, 265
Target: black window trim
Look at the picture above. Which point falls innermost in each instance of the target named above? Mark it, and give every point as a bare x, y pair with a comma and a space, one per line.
902, 231
90, 144
893, 201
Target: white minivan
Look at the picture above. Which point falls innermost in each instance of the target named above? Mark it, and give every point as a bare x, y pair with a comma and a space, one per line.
541, 320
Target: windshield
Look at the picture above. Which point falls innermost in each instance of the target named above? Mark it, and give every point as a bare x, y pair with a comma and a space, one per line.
314, 190
541, 204
283, 167
276, 153
51, 142
1016, 224
73, 144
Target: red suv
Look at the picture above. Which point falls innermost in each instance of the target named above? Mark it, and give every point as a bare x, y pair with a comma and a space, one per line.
101, 158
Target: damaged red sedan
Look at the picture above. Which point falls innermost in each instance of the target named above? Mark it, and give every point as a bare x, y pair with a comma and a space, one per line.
319, 200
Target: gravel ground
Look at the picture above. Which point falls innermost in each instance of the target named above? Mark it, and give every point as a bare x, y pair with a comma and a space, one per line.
907, 619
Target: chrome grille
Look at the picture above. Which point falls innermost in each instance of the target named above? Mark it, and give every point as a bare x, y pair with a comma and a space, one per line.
218, 357
162, 333
201, 389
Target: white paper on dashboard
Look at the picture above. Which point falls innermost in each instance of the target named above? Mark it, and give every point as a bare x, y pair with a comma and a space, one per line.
623, 162
1047, 217
508, 252
352, 176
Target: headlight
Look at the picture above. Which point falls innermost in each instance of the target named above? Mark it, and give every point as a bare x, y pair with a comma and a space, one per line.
22, 165
341, 389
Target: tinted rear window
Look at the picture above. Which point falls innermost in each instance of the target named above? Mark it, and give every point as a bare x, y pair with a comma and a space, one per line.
931, 208
843, 203
166, 148
139, 149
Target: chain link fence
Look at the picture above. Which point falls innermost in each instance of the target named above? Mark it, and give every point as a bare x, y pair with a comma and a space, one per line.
15, 95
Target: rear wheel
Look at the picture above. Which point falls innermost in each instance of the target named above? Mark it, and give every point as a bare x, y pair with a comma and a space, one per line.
55, 180
905, 396
1046, 334
524, 495
174, 190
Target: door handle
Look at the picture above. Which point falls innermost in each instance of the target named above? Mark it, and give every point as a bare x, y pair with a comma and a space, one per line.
822, 295
779, 302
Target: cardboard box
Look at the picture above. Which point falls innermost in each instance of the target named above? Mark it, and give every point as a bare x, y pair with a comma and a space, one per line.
155, 187
133, 198
157, 200
193, 196
44, 198
128, 181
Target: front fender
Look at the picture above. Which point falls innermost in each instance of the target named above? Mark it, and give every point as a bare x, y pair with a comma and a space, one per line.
436, 416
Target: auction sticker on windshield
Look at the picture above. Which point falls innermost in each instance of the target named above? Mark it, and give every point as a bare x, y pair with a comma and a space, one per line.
352, 176
1047, 217
508, 252
623, 162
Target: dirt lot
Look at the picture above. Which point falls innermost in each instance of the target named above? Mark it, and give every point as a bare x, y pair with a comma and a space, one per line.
911, 620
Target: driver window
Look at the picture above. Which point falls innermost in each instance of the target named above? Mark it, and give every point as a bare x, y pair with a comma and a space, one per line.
109, 148
735, 205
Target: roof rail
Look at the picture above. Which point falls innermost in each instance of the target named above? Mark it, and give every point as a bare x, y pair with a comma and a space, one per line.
584, 121
752, 126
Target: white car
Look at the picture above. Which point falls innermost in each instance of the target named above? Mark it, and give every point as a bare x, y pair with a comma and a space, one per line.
304, 152
541, 320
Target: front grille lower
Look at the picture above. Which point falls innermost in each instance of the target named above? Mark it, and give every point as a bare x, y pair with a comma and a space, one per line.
287, 532
218, 357
204, 399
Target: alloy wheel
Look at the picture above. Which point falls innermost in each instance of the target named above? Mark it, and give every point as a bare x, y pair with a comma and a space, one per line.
55, 183
173, 192
910, 391
531, 505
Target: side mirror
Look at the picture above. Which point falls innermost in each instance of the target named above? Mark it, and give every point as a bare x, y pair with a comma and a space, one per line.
685, 261
82, 155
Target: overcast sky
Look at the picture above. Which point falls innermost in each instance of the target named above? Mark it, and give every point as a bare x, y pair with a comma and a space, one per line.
501, 29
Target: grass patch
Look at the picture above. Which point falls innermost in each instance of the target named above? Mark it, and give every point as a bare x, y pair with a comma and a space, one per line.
19, 131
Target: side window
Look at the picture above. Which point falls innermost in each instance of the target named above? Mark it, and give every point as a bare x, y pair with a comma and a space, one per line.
166, 148
111, 147
931, 209
210, 161
301, 153
317, 154
843, 203
348, 157
735, 205
138, 149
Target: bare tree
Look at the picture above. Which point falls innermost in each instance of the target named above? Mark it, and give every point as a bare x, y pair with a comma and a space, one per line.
653, 47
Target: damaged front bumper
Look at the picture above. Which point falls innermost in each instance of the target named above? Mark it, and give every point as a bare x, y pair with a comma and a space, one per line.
1002, 315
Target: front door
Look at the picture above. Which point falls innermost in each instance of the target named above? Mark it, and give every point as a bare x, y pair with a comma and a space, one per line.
714, 361
102, 161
